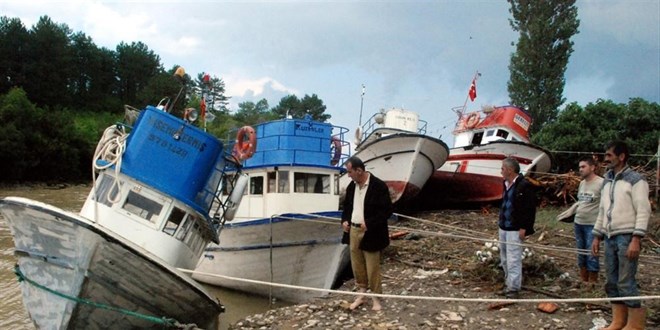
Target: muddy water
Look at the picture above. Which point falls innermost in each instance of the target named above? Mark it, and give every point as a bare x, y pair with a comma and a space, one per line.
12, 312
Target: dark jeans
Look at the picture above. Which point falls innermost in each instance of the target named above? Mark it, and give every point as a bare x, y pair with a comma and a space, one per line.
583, 239
621, 271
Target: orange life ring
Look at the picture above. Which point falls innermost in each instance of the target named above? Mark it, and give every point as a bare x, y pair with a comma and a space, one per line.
472, 120
245, 148
336, 155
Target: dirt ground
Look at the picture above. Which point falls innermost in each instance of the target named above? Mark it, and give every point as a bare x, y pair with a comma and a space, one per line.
434, 258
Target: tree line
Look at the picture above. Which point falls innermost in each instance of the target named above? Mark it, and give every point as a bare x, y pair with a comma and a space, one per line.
59, 91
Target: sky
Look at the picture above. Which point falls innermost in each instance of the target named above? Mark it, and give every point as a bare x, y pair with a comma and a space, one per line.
419, 55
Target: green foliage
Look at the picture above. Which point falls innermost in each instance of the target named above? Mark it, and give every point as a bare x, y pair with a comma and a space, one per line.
297, 108
250, 113
537, 67
136, 65
38, 145
588, 129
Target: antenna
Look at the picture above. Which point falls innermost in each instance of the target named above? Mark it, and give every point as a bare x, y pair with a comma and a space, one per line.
361, 104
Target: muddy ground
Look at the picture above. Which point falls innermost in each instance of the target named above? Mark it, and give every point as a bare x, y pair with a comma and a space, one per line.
427, 262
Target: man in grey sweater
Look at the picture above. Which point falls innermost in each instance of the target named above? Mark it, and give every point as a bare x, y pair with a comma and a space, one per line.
623, 217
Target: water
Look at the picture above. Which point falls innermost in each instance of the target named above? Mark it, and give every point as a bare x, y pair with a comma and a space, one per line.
13, 314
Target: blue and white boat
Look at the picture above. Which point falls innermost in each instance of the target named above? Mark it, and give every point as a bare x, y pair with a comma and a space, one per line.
115, 264
274, 237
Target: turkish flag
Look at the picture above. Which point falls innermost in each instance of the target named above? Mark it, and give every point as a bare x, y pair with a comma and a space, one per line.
473, 90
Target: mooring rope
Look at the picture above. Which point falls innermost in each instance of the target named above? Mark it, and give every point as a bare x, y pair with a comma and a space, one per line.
394, 296
168, 322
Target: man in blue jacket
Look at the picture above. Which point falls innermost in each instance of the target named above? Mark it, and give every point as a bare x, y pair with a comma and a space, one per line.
516, 221
367, 206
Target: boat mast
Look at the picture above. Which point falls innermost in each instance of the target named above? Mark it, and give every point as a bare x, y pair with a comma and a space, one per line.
361, 103
461, 111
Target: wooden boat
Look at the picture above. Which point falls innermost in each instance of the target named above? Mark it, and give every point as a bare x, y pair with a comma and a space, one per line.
394, 147
115, 264
482, 139
287, 228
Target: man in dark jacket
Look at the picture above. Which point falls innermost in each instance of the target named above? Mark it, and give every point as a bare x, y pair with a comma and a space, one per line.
517, 216
367, 206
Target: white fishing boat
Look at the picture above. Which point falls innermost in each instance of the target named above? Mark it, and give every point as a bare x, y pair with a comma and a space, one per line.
482, 139
287, 228
115, 263
394, 147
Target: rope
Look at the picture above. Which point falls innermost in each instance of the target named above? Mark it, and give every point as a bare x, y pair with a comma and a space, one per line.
169, 322
110, 149
393, 296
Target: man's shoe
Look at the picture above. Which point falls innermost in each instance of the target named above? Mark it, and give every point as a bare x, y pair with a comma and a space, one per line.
512, 294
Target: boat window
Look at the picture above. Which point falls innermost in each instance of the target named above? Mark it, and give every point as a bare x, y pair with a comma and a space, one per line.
311, 183
490, 132
476, 139
183, 230
283, 182
502, 133
174, 220
272, 177
336, 184
103, 191
257, 185
228, 184
192, 234
142, 206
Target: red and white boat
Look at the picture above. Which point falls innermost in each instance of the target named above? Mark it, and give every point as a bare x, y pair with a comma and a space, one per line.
394, 148
482, 139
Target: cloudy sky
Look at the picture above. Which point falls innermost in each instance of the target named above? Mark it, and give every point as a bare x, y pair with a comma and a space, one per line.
420, 55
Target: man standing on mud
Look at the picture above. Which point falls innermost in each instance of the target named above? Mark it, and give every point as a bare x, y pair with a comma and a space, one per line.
585, 218
367, 206
623, 217
517, 216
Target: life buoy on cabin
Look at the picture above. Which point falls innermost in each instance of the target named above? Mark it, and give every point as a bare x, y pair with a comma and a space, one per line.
336, 150
472, 120
246, 143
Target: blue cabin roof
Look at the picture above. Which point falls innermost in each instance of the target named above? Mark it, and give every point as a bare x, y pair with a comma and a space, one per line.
174, 157
294, 142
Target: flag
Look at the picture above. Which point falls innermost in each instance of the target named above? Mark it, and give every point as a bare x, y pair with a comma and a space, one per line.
473, 90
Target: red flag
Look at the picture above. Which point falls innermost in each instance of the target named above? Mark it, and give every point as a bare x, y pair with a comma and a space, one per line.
473, 90
202, 109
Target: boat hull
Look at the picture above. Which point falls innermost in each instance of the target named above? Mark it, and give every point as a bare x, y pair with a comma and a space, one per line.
404, 161
473, 174
304, 252
67, 253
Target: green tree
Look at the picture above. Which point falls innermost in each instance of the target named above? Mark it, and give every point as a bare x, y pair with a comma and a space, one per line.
13, 40
588, 129
213, 88
48, 63
543, 49
290, 105
136, 65
250, 113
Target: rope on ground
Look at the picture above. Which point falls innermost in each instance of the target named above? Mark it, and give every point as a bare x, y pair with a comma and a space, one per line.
169, 322
394, 296
533, 245
483, 235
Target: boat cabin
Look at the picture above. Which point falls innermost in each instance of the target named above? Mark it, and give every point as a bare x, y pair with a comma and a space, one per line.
392, 121
295, 168
507, 123
160, 194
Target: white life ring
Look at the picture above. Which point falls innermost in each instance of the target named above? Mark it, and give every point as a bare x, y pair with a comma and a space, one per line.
358, 135
245, 148
472, 120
